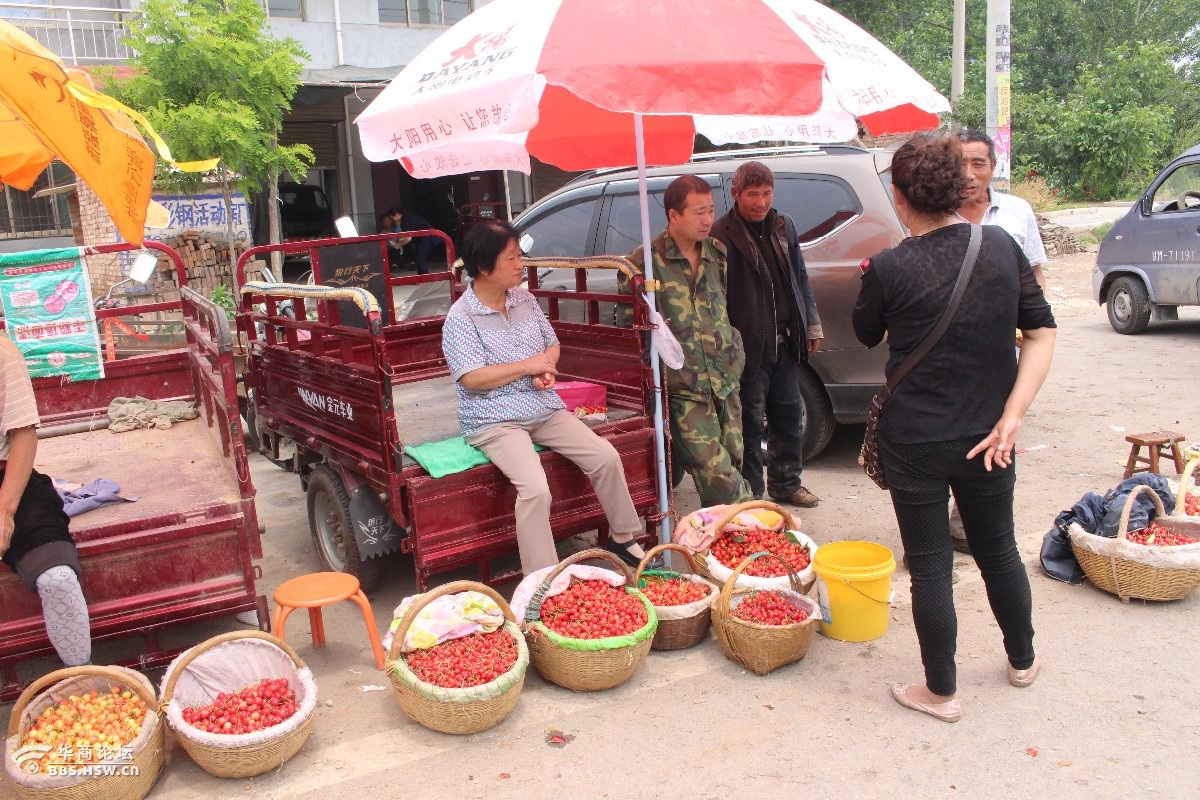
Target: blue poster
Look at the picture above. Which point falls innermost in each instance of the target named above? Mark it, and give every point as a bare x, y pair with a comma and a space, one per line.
49, 314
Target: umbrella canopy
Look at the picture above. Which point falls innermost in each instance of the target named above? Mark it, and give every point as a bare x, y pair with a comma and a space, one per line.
561, 80
50, 111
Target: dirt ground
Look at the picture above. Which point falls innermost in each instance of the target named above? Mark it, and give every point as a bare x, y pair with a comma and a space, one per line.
1115, 714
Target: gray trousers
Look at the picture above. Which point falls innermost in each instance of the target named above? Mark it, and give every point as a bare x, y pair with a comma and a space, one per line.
510, 447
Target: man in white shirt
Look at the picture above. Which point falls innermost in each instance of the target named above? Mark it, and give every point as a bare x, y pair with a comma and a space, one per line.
985, 207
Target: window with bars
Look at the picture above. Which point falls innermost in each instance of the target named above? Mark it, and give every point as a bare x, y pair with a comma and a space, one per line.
23, 215
285, 9
424, 12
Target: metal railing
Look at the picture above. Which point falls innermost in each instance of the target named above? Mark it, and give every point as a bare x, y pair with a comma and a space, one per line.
76, 34
22, 215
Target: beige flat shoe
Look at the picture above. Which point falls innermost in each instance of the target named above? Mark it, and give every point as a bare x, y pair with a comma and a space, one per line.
949, 711
1021, 678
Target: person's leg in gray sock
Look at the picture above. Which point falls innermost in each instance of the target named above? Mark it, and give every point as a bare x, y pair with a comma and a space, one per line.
66, 615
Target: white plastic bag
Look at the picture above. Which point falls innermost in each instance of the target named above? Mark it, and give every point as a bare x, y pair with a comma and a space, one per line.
524, 592
689, 610
744, 581
1184, 556
792, 598
24, 774
668, 347
230, 667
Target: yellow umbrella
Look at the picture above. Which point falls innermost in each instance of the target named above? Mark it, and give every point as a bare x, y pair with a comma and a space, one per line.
48, 111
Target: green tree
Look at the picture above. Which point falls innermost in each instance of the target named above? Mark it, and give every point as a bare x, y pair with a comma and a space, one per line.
216, 83
1072, 64
1111, 135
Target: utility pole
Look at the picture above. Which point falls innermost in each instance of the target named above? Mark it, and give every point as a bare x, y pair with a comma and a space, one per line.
958, 57
999, 90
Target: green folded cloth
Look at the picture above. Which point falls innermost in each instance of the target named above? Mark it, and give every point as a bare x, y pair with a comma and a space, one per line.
447, 457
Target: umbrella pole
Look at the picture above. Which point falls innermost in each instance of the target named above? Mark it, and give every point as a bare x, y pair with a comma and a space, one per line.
660, 444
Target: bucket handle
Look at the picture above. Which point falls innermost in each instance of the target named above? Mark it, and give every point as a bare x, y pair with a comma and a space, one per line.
886, 602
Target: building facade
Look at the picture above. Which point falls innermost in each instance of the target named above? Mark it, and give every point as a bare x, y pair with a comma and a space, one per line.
355, 47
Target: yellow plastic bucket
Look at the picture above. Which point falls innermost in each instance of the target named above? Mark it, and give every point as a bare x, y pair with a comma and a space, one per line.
854, 588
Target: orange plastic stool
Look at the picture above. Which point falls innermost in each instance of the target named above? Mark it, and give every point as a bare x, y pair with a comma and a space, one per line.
321, 589
1157, 443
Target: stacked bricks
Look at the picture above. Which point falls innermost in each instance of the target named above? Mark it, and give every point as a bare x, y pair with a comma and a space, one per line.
208, 257
209, 260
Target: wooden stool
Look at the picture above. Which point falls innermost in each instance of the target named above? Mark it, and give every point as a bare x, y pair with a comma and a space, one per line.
321, 589
1158, 443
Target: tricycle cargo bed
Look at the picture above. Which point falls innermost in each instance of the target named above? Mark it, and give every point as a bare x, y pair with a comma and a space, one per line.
352, 399
196, 476
447, 512
183, 552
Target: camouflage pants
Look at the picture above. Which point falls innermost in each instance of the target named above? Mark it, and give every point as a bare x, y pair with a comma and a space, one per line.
706, 441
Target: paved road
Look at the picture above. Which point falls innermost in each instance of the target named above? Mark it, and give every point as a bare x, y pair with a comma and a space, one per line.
1084, 219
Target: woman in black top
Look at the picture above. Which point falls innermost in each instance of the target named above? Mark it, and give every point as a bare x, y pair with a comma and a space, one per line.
953, 421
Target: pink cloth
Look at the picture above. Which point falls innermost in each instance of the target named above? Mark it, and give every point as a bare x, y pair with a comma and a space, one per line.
696, 530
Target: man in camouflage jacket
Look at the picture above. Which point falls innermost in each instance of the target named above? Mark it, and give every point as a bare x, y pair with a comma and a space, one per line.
705, 410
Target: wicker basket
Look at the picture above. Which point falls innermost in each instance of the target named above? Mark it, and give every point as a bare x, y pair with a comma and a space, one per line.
459, 711
244, 761
1128, 578
789, 523
148, 760
762, 648
587, 665
1180, 512
676, 634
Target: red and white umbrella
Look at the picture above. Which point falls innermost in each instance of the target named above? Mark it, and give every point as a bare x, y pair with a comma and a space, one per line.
584, 84
561, 80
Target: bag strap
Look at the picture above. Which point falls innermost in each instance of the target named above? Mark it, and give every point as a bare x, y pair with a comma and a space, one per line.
960, 288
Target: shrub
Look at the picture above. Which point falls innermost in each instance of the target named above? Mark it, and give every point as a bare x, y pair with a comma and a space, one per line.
1037, 191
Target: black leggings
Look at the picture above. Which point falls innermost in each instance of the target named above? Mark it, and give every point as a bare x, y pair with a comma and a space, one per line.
920, 477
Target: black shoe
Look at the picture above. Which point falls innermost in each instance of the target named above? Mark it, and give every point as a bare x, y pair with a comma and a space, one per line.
621, 551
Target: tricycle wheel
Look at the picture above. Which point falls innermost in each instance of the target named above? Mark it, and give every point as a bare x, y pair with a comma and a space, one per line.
333, 529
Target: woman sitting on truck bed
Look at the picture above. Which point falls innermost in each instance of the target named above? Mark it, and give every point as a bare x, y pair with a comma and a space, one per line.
503, 354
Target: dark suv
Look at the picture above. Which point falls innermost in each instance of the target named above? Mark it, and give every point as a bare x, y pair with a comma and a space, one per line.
840, 201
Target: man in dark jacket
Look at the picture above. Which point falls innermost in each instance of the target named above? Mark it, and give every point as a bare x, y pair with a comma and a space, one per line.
772, 306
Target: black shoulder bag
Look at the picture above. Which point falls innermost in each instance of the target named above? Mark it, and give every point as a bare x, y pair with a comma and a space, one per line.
868, 457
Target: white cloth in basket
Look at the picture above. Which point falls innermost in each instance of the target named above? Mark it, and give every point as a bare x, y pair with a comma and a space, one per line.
529, 584
230, 667
52, 696
722, 573
1184, 556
